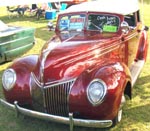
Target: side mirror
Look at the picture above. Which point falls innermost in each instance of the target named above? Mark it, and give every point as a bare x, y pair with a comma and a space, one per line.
50, 26
125, 27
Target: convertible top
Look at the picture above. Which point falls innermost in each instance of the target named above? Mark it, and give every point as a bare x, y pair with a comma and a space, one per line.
122, 7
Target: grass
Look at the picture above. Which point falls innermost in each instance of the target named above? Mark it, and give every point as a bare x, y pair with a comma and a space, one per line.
136, 112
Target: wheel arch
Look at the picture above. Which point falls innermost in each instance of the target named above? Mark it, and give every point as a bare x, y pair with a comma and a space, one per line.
128, 90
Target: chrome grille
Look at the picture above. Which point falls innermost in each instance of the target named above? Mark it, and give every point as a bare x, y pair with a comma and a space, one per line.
56, 98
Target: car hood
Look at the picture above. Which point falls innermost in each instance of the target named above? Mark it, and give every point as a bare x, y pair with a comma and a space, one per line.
68, 54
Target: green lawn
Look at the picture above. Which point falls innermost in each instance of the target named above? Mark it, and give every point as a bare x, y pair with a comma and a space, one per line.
136, 115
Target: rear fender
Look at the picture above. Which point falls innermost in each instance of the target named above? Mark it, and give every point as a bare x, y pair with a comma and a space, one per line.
21, 91
143, 46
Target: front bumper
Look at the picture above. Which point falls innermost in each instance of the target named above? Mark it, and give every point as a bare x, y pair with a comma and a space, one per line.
65, 120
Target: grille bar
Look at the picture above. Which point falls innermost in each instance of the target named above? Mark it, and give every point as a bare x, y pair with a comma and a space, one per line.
56, 98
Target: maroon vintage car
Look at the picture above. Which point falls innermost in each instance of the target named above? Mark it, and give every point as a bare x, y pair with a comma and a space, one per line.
84, 72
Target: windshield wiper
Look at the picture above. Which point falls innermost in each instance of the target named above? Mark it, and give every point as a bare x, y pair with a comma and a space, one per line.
97, 27
64, 29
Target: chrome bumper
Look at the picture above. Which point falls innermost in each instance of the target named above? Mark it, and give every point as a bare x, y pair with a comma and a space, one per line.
65, 120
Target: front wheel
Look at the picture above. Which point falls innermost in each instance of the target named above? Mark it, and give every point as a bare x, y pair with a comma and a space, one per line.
118, 117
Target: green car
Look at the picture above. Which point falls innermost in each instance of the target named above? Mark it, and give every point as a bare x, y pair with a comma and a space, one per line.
15, 41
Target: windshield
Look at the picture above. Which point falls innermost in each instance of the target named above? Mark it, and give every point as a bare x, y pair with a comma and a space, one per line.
72, 22
96, 22
103, 23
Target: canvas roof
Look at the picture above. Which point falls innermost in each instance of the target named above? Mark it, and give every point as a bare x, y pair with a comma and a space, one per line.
112, 6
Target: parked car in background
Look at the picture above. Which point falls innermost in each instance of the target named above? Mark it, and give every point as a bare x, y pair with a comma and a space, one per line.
15, 41
84, 72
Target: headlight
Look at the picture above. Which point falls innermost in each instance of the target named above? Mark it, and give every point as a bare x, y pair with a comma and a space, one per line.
96, 91
8, 79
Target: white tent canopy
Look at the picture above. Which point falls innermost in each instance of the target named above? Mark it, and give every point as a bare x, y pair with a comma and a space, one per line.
112, 6
25, 2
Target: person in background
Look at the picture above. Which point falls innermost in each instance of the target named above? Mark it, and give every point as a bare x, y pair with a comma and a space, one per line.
20, 9
42, 10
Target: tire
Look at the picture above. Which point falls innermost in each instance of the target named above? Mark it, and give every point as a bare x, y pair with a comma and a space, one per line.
118, 117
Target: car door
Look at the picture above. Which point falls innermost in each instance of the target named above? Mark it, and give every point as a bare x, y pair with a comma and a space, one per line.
131, 39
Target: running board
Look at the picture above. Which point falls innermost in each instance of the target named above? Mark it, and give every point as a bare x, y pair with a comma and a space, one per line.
135, 70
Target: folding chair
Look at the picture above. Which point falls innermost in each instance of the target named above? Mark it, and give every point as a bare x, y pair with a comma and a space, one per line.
63, 6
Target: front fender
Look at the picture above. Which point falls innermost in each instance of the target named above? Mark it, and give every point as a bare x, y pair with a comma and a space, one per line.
115, 75
21, 92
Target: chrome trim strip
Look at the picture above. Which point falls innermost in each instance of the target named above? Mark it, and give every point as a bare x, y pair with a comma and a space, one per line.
14, 32
59, 119
59, 83
8, 42
45, 53
18, 48
132, 36
102, 51
40, 84
49, 84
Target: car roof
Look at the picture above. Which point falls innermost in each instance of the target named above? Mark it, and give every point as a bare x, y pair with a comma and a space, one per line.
122, 7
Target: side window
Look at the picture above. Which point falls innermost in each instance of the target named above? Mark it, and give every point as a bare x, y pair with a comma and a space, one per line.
131, 19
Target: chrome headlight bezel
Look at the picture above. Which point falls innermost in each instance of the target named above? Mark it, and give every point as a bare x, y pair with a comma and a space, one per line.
98, 88
9, 79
